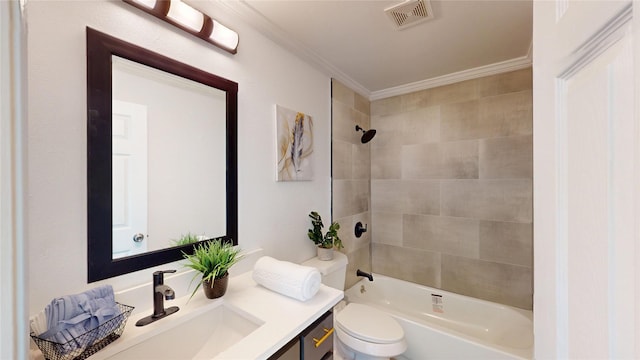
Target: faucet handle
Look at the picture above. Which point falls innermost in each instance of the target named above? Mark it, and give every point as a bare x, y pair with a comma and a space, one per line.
161, 272
158, 276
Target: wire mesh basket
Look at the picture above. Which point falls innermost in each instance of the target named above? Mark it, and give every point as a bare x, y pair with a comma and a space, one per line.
88, 343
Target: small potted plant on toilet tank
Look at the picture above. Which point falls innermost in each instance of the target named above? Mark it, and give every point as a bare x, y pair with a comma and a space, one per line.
325, 243
211, 260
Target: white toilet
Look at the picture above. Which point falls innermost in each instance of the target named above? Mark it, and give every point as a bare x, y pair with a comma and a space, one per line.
362, 332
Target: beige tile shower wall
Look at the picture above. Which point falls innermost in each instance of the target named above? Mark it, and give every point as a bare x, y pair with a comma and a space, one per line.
351, 173
451, 187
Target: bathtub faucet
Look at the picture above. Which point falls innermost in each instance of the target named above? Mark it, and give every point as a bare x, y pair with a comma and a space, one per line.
362, 273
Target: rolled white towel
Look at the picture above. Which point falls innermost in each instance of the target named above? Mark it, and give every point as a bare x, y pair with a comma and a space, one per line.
293, 280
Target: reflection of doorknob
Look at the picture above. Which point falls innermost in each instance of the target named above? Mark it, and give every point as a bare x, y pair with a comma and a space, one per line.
138, 237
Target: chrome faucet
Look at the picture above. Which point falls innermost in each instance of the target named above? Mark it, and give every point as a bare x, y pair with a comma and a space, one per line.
161, 292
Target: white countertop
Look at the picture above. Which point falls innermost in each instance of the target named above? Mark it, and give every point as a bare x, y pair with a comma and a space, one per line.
282, 318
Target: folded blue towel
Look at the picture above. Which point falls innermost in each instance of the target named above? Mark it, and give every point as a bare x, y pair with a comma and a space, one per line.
70, 316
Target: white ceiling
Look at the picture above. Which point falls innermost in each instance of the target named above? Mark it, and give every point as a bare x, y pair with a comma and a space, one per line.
356, 42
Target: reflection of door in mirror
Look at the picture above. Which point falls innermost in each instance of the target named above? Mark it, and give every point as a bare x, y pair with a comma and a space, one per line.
185, 178
129, 166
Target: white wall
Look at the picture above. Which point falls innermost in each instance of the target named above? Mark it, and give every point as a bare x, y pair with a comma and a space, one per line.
272, 215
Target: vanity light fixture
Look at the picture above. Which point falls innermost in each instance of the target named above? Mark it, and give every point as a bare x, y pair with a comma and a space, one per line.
183, 16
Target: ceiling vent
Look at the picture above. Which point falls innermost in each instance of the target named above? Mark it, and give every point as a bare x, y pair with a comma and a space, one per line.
409, 13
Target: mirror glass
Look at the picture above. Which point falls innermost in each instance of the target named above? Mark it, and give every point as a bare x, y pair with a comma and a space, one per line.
162, 158
168, 146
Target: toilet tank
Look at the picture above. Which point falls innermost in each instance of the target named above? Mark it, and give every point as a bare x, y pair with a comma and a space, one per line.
333, 271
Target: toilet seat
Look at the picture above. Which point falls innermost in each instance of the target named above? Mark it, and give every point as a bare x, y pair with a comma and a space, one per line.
369, 331
371, 350
369, 324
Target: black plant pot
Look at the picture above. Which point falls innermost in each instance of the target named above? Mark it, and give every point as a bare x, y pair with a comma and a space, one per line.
217, 288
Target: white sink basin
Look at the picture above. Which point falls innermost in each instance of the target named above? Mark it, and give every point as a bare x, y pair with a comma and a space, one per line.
199, 335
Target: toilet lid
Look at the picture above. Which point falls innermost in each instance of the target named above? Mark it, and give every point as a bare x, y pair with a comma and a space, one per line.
366, 323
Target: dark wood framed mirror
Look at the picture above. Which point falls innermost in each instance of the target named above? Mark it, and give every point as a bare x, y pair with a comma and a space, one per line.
210, 191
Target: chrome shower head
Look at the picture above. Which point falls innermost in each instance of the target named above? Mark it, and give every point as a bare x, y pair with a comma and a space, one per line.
367, 135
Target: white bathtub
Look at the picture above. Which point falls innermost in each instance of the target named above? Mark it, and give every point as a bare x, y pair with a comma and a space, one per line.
443, 325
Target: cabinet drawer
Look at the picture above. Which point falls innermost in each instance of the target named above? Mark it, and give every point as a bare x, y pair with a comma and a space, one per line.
317, 340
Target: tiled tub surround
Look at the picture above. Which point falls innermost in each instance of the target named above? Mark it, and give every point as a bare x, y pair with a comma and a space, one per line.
351, 172
451, 188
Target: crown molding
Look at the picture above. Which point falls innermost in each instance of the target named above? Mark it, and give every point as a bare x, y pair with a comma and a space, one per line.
482, 71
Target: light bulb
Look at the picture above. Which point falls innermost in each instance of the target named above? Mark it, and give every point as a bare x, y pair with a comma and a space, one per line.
224, 36
149, 4
185, 15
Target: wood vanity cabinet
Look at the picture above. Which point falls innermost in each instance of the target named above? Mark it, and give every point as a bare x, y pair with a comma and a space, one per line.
313, 343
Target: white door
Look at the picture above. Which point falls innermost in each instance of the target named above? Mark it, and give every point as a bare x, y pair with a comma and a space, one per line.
585, 66
129, 133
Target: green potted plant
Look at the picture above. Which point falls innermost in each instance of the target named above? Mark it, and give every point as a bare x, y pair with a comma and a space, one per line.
325, 243
212, 260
